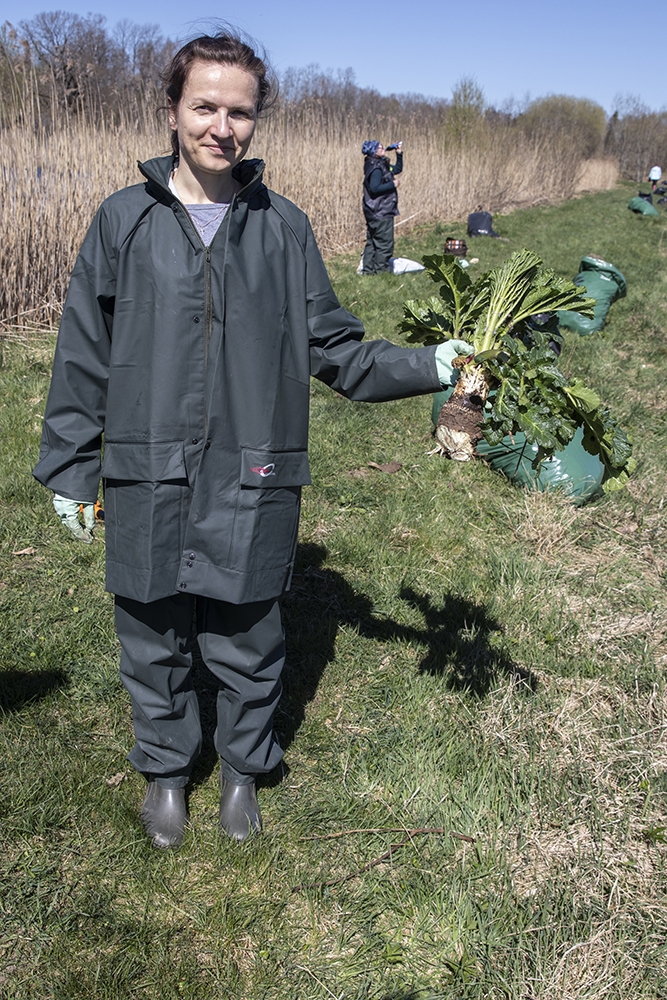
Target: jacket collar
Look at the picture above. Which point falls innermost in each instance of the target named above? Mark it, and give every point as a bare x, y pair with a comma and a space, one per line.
158, 170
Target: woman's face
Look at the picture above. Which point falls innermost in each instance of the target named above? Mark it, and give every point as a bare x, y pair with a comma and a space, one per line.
215, 118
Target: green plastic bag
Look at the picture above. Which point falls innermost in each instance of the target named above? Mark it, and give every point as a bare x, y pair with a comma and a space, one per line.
604, 283
642, 207
572, 471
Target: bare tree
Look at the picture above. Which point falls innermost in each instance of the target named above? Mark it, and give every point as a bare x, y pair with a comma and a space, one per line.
637, 136
83, 66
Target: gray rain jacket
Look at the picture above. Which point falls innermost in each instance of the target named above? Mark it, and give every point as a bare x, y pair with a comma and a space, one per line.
194, 363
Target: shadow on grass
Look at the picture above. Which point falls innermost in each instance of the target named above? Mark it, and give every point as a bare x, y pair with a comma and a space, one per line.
459, 637
19, 687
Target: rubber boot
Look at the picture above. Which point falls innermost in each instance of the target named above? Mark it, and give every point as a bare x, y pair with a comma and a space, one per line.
239, 812
164, 815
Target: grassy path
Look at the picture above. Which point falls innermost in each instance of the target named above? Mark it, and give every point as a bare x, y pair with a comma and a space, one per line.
475, 802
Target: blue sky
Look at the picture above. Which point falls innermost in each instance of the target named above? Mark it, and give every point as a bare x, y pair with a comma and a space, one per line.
515, 48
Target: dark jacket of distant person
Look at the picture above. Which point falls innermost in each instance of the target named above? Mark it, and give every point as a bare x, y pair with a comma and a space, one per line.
380, 198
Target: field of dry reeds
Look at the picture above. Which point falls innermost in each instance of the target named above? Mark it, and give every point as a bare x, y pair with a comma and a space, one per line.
54, 177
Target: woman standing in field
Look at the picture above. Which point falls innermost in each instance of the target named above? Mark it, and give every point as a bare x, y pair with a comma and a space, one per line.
197, 311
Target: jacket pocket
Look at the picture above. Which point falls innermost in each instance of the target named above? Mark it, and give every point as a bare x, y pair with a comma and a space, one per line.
274, 468
146, 503
144, 461
267, 512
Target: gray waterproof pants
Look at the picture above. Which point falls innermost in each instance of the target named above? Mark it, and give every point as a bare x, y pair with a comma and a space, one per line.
242, 645
379, 245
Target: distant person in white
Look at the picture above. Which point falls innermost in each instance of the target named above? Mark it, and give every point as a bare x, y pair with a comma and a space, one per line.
655, 176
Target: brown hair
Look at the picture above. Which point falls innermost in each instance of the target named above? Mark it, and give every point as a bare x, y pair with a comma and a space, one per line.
229, 49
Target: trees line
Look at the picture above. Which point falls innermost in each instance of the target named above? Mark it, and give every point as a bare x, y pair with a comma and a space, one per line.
58, 65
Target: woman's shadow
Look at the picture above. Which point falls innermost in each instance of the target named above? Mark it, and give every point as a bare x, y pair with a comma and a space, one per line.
458, 637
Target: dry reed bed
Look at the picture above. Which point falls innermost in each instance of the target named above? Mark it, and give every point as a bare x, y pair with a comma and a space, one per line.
53, 181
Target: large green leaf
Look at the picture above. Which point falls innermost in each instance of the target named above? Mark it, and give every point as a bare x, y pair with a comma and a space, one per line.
557, 293
455, 281
583, 397
425, 321
463, 302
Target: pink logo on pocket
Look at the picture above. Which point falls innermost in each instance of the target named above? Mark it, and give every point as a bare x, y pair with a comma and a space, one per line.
264, 470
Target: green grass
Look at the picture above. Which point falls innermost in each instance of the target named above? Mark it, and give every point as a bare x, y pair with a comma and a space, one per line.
465, 658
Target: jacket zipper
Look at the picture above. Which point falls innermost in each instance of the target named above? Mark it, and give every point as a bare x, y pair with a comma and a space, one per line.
208, 308
208, 329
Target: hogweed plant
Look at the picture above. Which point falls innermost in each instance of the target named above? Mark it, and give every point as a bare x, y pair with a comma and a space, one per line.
510, 382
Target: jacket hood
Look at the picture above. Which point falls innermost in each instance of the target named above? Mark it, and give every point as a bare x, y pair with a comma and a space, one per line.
158, 170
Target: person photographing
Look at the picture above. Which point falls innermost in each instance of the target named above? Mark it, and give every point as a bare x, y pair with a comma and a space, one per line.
380, 204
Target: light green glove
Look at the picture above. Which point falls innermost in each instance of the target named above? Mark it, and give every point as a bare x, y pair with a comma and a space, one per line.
445, 354
68, 512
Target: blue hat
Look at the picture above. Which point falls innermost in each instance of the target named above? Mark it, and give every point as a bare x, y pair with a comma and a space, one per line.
370, 147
